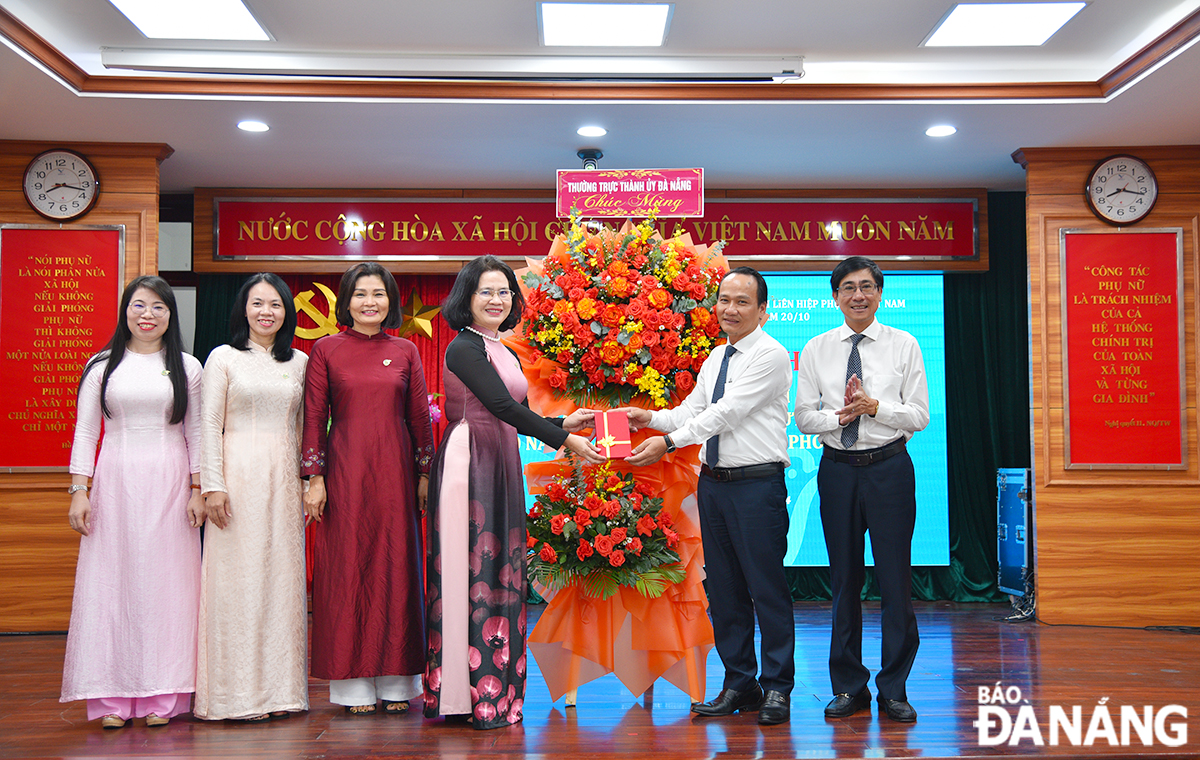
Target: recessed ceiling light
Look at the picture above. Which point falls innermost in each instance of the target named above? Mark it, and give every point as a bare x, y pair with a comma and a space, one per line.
591, 131
1001, 24
178, 20
604, 24
941, 130
252, 126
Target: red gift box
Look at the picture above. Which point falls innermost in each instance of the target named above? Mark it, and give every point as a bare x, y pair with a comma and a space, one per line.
612, 434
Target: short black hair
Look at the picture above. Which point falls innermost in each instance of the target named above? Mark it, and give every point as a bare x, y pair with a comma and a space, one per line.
758, 279
239, 325
853, 264
350, 282
456, 309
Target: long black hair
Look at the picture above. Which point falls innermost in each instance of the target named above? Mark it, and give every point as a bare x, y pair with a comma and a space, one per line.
456, 309
239, 323
172, 342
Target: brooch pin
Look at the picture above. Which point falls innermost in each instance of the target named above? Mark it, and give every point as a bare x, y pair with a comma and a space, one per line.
166, 372
387, 362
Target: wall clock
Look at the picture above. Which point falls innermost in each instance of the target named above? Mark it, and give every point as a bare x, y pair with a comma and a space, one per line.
1121, 189
61, 185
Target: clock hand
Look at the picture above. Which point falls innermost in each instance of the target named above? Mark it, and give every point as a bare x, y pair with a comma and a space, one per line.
1136, 192
1114, 192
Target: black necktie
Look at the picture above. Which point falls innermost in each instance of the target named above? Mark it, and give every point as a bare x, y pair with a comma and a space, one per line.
713, 451
853, 367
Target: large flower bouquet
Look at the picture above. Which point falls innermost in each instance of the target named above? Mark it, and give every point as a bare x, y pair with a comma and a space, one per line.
602, 529
624, 313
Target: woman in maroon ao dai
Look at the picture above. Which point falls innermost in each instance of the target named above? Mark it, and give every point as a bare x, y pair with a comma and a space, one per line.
368, 635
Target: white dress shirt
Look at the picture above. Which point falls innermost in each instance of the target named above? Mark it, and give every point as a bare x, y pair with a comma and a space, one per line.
751, 417
893, 373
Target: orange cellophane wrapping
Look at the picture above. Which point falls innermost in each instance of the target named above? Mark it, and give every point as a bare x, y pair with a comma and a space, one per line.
580, 638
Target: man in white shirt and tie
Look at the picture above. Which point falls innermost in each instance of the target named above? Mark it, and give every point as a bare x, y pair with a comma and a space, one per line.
861, 388
739, 412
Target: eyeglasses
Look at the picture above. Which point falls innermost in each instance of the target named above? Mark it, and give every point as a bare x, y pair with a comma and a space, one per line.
486, 294
867, 289
158, 310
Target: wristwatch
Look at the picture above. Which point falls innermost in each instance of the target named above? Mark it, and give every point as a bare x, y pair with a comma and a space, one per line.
76, 487
670, 443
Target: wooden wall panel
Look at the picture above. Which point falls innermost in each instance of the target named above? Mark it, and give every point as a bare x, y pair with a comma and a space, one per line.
1113, 546
37, 547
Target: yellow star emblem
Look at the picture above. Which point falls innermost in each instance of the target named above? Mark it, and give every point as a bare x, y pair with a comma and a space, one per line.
416, 317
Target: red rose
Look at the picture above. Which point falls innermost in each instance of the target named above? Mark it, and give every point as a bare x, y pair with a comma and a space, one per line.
612, 508
643, 487
635, 546
669, 341
681, 282
556, 524
664, 518
546, 307
646, 525
584, 551
651, 319
536, 511
559, 378
593, 504
584, 336
649, 338
604, 545
556, 491
698, 291
662, 363
672, 538
548, 554
712, 329
697, 363
684, 381
635, 310
575, 294
617, 558
619, 534
583, 518
613, 482
590, 361
530, 542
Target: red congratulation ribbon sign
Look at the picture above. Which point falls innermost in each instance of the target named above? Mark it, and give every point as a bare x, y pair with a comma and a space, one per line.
631, 192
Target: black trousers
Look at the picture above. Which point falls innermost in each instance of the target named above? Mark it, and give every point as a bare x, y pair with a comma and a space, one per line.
744, 526
881, 498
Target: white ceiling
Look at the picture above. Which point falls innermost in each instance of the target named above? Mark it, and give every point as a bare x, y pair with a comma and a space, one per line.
806, 141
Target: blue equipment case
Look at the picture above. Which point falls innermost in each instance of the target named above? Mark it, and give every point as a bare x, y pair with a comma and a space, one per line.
1013, 529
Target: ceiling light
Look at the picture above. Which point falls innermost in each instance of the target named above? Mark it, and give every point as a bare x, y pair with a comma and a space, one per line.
207, 20
604, 24
252, 126
591, 131
1001, 24
941, 130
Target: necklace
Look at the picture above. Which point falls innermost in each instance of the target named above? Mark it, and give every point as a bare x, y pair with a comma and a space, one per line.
483, 335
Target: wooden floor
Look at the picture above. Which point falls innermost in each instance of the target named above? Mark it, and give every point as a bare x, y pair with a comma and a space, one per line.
963, 648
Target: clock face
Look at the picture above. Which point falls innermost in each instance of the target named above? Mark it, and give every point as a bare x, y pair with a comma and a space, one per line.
1122, 189
61, 185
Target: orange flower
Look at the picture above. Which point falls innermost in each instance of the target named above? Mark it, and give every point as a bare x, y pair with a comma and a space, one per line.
635, 546
700, 316
586, 307
684, 381
619, 287
616, 558
664, 518
593, 504
659, 298
619, 534
612, 508
612, 353
548, 554
556, 492
562, 308
583, 518
612, 315
530, 542
672, 538
559, 378
646, 525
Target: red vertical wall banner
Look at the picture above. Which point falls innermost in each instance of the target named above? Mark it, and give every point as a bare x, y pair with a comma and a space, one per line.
59, 291
1122, 303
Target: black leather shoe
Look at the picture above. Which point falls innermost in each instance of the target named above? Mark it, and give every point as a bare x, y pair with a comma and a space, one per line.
898, 710
845, 705
729, 701
775, 709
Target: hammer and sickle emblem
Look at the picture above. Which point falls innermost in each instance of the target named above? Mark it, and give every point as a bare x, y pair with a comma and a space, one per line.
326, 321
